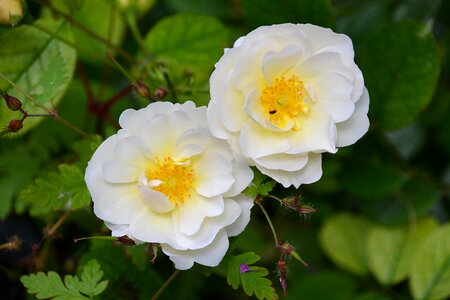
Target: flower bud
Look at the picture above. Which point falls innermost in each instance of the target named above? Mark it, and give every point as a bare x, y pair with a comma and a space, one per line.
15, 125
281, 267
12, 102
160, 93
142, 89
11, 12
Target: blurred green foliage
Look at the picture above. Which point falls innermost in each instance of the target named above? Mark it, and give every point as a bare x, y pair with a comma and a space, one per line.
381, 230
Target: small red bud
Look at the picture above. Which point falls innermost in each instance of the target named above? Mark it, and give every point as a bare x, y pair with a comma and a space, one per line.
282, 271
142, 89
160, 93
12, 102
14, 125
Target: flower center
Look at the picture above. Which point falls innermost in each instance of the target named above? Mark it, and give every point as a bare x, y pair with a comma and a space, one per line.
284, 101
173, 179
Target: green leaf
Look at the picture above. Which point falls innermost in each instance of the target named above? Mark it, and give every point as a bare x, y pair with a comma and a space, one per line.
259, 186
66, 189
39, 64
401, 68
253, 281
391, 249
343, 238
51, 286
267, 12
361, 178
430, 271
101, 18
90, 277
339, 286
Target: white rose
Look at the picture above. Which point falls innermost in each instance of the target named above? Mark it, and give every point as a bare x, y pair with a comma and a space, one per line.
286, 93
163, 178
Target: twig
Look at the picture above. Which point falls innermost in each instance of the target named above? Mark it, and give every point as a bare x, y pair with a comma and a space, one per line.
55, 227
272, 228
165, 285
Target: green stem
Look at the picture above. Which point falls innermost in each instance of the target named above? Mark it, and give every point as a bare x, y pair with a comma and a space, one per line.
100, 237
270, 222
165, 285
119, 66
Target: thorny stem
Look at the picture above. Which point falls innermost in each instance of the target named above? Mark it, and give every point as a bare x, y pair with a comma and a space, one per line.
51, 112
165, 285
257, 201
55, 227
87, 30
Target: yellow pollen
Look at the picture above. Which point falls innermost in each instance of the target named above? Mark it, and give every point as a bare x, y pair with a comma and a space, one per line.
177, 180
284, 101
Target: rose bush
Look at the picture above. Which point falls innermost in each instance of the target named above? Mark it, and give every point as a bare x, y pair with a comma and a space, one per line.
163, 178
286, 93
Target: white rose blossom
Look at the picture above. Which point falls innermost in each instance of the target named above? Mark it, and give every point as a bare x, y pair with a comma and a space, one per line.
163, 178
286, 93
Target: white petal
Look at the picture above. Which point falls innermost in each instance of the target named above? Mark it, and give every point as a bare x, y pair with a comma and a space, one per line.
256, 141
213, 174
103, 153
215, 125
186, 151
132, 120
324, 39
282, 161
321, 63
239, 225
333, 92
195, 209
118, 229
209, 228
116, 171
132, 149
155, 200
317, 133
353, 129
243, 175
152, 227
114, 203
276, 64
210, 255
308, 174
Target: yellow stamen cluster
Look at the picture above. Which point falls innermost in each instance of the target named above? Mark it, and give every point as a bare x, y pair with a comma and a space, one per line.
177, 180
284, 100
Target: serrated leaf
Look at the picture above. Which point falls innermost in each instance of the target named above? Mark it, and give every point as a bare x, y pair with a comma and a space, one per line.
39, 64
90, 278
193, 40
253, 281
62, 190
344, 239
400, 56
233, 263
390, 250
266, 12
257, 187
51, 286
266, 188
430, 271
